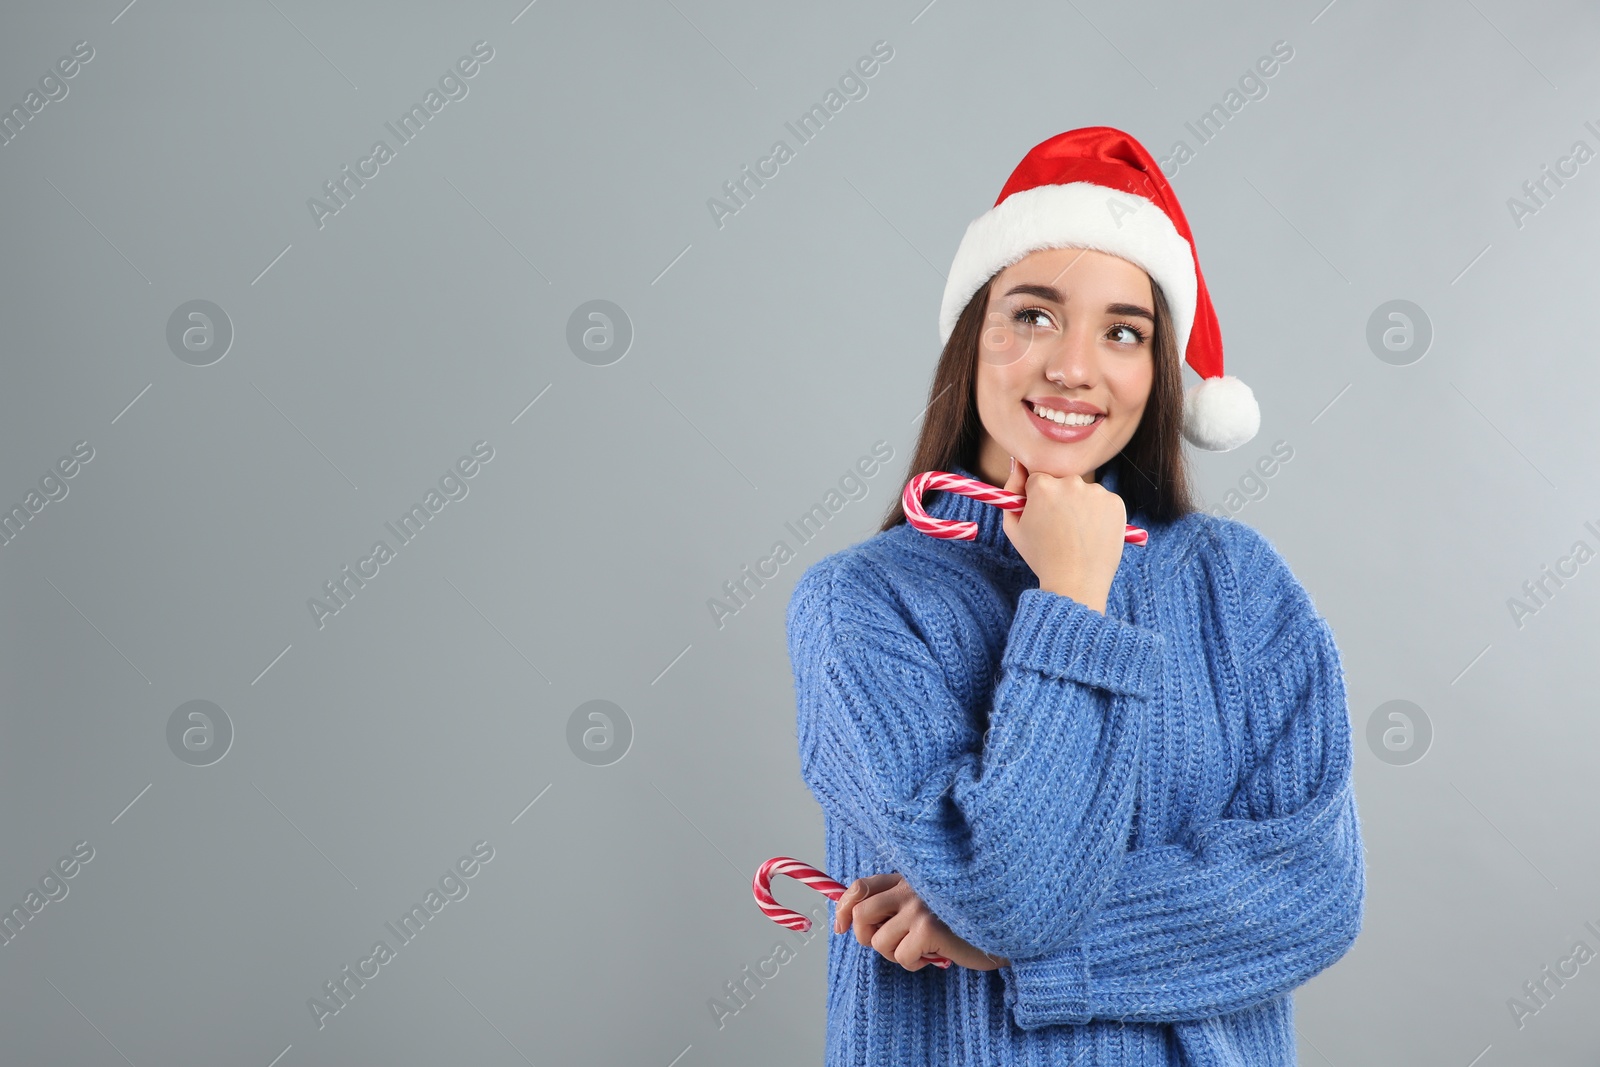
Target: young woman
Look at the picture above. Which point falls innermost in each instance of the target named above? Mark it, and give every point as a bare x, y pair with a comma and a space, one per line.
1110, 782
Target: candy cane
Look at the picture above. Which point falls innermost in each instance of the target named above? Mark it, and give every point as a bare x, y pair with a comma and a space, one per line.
956, 530
802, 872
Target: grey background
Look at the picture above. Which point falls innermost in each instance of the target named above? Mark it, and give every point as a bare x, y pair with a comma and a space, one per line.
768, 355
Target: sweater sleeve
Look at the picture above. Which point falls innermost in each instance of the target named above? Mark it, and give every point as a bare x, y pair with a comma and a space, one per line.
1246, 907
978, 824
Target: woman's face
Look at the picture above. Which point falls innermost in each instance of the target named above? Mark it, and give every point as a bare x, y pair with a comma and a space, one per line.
1069, 329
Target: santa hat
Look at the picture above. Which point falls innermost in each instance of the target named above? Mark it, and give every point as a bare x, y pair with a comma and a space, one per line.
1098, 188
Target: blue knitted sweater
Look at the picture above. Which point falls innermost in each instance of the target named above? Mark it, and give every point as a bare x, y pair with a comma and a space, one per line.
1148, 812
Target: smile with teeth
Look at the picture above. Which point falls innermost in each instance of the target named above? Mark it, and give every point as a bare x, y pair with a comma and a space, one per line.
1063, 418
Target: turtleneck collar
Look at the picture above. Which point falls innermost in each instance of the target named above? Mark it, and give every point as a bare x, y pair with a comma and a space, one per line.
990, 519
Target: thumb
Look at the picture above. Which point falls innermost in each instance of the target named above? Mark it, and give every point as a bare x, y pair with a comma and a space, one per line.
855, 893
1017, 482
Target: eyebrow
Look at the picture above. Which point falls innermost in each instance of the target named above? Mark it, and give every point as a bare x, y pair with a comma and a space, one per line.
1050, 292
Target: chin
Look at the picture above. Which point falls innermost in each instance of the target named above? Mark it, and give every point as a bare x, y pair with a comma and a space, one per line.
1065, 469
1056, 461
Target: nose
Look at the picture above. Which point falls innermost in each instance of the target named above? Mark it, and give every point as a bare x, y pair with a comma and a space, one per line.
1073, 360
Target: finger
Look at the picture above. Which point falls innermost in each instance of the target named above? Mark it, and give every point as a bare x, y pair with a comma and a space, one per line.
1017, 480
857, 891
886, 941
920, 941
869, 914
842, 906
878, 907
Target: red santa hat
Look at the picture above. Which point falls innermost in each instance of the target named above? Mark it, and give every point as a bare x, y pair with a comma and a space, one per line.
1098, 188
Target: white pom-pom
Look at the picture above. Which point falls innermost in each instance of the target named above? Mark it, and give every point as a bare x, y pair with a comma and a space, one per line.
1220, 414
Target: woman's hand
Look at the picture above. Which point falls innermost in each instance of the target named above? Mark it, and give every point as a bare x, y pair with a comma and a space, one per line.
888, 916
1070, 533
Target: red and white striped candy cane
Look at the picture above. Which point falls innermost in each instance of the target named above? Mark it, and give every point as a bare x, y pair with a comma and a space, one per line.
957, 530
802, 872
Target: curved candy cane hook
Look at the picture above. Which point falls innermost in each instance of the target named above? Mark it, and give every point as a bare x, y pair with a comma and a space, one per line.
955, 530
801, 872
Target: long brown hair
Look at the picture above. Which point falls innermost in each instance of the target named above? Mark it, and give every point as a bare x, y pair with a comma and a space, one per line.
1152, 469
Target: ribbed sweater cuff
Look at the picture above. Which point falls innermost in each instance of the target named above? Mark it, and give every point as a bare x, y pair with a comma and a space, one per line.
1049, 991
1058, 636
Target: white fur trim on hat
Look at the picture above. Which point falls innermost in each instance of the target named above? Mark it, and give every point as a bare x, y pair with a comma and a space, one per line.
1075, 215
1220, 414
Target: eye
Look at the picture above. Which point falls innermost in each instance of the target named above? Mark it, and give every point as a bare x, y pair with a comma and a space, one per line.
1031, 317
1138, 334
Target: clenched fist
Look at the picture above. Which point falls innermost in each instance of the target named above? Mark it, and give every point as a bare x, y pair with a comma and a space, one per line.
1070, 533
888, 916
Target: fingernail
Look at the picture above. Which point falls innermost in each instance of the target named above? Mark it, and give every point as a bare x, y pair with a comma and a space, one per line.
1013, 464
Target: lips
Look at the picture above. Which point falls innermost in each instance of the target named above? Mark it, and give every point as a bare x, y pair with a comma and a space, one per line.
1054, 431
1061, 403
